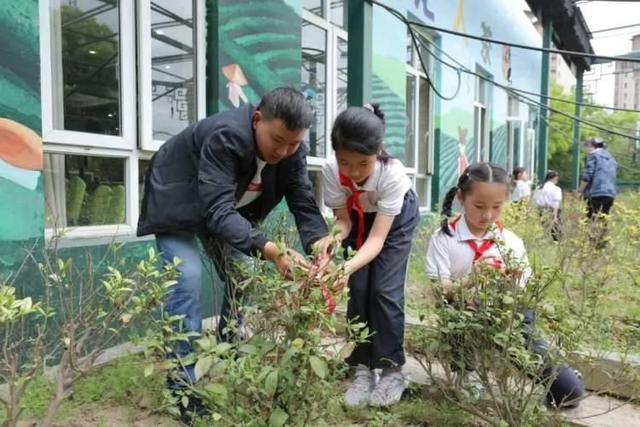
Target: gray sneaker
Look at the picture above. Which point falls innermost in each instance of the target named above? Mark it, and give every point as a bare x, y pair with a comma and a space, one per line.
360, 388
390, 388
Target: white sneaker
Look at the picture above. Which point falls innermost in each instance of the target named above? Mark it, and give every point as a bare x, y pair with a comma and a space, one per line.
471, 385
360, 388
390, 388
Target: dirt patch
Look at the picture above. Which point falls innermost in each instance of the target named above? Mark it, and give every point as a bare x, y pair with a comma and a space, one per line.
112, 416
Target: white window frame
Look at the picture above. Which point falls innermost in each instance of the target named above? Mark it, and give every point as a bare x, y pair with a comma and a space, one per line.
126, 53
145, 97
415, 70
333, 33
125, 146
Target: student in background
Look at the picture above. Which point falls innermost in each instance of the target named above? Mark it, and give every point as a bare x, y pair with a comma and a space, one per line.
548, 198
521, 185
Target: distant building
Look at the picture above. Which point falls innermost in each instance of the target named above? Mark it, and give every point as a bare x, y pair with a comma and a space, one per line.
627, 81
560, 73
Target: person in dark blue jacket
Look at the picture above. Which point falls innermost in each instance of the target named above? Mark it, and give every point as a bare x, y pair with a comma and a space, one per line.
598, 184
214, 182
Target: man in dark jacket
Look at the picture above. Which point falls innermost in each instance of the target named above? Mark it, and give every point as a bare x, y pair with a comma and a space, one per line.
598, 186
215, 181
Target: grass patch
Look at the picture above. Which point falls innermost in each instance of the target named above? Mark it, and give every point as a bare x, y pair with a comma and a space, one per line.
119, 383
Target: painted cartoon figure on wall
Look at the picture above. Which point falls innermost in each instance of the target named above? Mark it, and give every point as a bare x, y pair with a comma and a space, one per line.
462, 154
236, 78
20, 154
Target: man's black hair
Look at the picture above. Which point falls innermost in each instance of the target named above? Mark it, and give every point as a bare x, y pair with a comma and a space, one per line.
288, 105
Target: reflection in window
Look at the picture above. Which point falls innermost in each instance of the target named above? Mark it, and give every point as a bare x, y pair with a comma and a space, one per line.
341, 76
339, 13
314, 83
82, 190
423, 127
86, 74
173, 67
409, 147
314, 6
422, 189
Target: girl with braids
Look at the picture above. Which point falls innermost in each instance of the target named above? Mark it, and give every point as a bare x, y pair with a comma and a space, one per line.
376, 214
464, 243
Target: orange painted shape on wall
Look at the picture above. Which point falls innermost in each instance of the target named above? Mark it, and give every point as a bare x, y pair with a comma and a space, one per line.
20, 146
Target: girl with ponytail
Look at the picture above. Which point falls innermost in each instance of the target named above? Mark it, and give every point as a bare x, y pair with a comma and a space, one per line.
376, 214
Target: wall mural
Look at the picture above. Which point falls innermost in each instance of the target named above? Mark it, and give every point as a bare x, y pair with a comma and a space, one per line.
259, 48
22, 210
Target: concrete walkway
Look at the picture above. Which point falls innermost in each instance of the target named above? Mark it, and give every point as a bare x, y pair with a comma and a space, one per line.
600, 411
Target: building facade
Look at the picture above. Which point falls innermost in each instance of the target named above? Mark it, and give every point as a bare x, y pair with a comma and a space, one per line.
627, 81
105, 83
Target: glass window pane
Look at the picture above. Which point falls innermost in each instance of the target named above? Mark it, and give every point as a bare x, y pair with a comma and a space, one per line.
341, 76
86, 66
81, 190
422, 189
173, 67
314, 6
314, 83
409, 147
410, 49
339, 13
424, 119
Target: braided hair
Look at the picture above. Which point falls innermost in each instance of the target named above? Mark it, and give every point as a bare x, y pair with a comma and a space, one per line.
477, 172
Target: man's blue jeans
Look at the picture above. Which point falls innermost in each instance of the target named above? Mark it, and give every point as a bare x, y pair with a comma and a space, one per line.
184, 296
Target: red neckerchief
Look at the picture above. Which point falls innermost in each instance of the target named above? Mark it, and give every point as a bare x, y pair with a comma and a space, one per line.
478, 250
353, 202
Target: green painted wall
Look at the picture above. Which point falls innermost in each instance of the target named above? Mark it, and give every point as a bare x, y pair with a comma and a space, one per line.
257, 48
22, 207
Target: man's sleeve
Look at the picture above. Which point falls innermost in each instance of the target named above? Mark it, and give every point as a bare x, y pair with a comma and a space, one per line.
302, 204
589, 169
217, 182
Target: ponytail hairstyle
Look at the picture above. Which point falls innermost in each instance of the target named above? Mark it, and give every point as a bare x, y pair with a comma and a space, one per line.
478, 172
515, 176
360, 129
548, 177
517, 172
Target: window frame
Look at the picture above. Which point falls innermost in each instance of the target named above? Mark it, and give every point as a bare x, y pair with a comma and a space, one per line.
414, 69
333, 33
143, 37
126, 52
131, 145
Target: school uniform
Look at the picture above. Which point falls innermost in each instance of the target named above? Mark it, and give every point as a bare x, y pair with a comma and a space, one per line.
376, 291
548, 198
521, 191
453, 257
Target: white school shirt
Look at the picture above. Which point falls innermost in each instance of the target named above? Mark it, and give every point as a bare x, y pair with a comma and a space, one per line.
254, 189
522, 191
549, 196
451, 257
382, 192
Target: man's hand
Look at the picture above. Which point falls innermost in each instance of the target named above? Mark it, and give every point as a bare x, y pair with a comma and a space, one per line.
324, 250
284, 260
